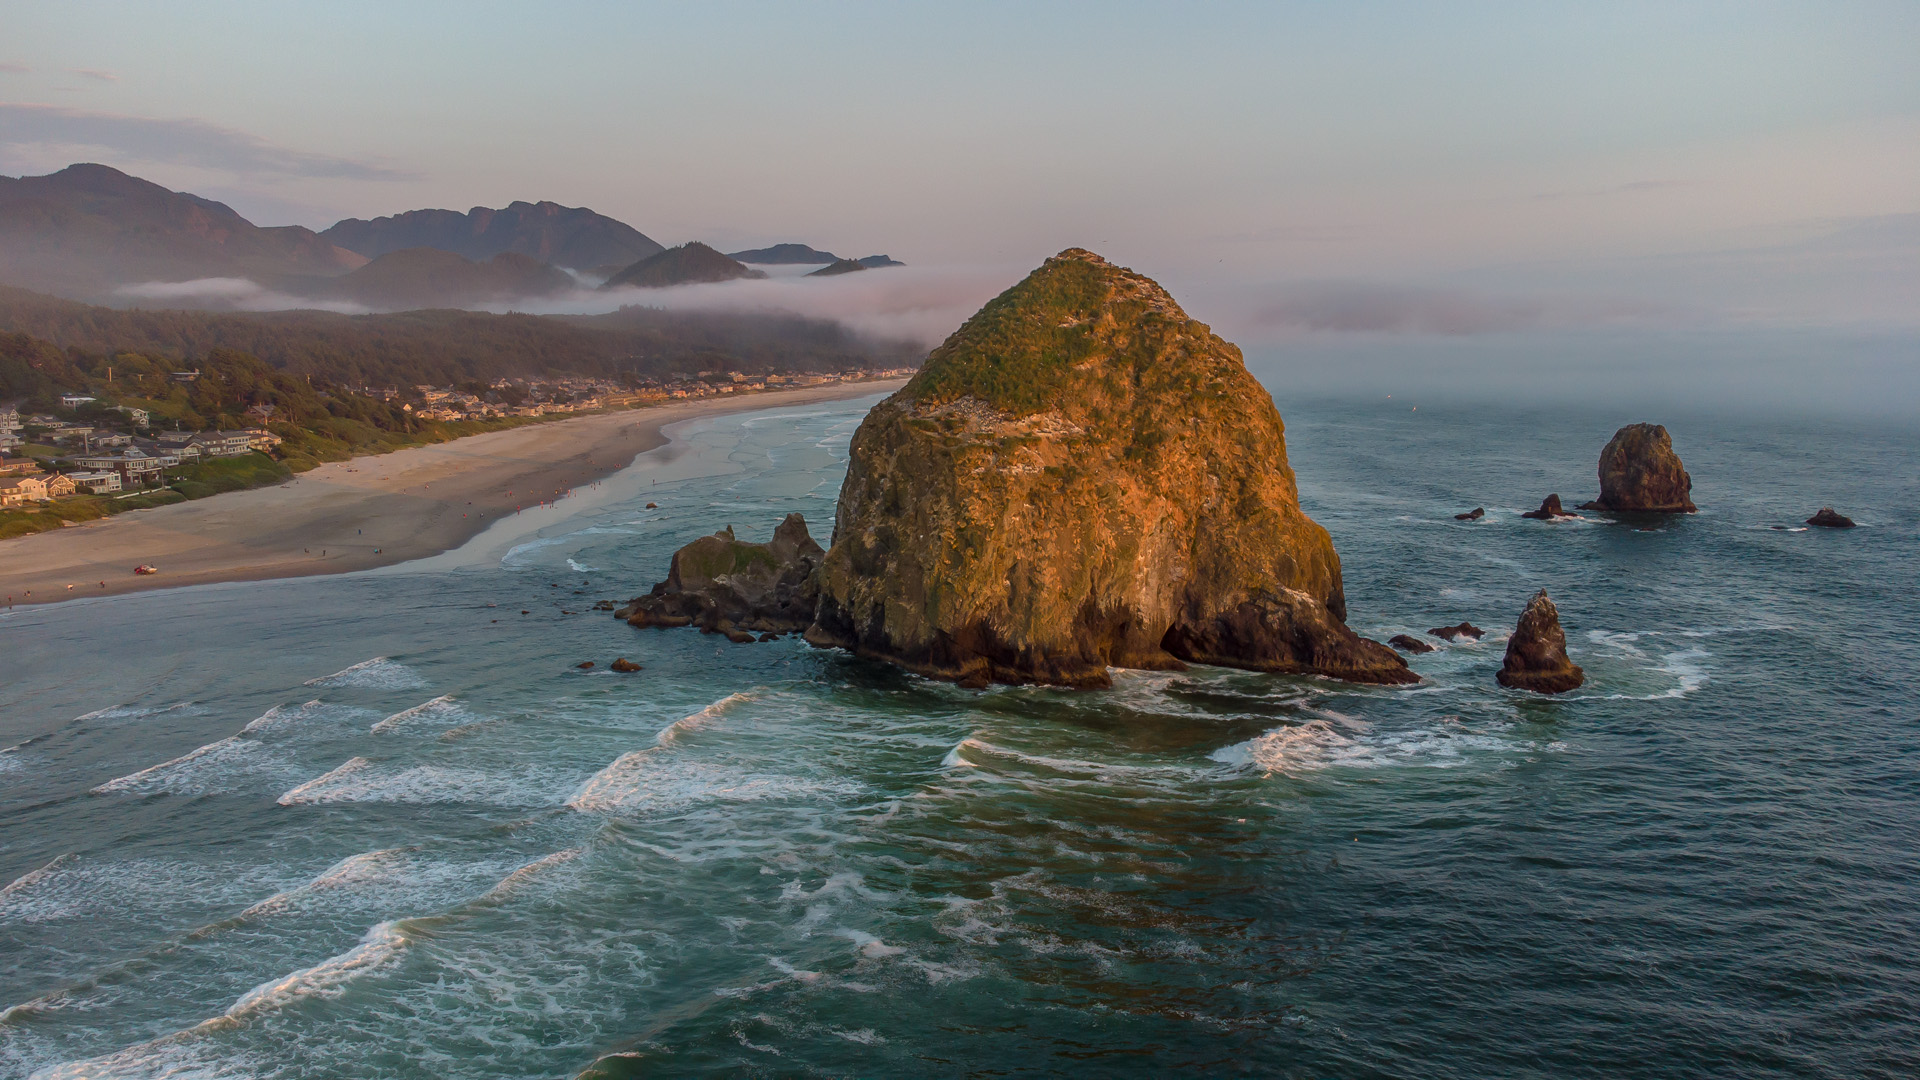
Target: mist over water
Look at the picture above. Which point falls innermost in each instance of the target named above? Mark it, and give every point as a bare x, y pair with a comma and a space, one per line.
381, 826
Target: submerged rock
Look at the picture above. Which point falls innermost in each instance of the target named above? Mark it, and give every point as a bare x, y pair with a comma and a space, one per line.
1454, 633
1407, 643
624, 665
1550, 510
1827, 518
1082, 476
1537, 653
1474, 514
1640, 472
584, 665
725, 585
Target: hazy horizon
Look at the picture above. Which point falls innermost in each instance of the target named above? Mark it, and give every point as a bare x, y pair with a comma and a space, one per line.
1308, 180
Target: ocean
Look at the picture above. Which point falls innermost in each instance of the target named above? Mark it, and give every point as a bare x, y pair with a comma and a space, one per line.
382, 825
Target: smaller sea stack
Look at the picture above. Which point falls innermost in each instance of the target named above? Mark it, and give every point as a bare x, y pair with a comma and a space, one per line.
1474, 514
728, 586
1537, 653
1550, 509
1407, 643
1454, 633
1828, 518
1640, 473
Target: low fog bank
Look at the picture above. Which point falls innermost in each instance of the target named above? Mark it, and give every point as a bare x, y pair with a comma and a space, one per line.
919, 304
907, 303
1784, 372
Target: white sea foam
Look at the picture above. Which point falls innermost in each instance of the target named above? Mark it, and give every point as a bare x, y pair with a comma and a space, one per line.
579, 568
1318, 744
652, 779
280, 717
382, 946
706, 716
871, 947
210, 768
379, 673
436, 708
131, 712
19, 902
526, 875
1102, 769
360, 780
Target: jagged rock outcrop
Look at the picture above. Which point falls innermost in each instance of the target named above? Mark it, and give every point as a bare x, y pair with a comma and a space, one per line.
1537, 652
1407, 643
1474, 514
1639, 472
1828, 518
1454, 633
1550, 510
725, 585
1082, 476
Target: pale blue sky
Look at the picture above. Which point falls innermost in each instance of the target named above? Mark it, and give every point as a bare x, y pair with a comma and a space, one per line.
1617, 159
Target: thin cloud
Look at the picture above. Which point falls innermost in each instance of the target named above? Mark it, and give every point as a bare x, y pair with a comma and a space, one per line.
177, 141
9, 68
96, 74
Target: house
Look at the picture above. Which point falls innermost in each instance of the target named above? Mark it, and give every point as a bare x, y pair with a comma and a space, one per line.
74, 401
134, 465
57, 485
262, 440
221, 443
140, 417
184, 376
97, 483
260, 413
17, 490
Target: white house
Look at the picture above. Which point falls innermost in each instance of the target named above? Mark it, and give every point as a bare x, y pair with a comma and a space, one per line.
100, 483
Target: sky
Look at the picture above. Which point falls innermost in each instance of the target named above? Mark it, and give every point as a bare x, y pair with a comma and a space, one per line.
1289, 170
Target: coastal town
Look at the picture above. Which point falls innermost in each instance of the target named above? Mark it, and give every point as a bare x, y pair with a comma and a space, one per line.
86, 446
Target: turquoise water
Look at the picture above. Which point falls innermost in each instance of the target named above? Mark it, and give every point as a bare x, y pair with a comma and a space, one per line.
381, 826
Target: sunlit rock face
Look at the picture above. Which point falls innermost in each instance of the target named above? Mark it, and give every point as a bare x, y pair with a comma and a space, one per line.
1083, 477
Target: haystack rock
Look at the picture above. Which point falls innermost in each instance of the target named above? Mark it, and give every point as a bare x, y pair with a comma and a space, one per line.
1829, 518
728, 586
1537, 652
1640, 472
1083, 477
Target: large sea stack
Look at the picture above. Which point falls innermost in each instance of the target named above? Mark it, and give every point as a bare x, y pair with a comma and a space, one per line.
1639, 472
1082, 476
1537, 652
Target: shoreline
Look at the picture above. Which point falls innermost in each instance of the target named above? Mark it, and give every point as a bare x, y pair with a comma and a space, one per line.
364, 513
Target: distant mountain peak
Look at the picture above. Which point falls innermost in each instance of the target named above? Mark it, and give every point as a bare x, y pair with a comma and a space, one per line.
569, 236
688, 264
784, 255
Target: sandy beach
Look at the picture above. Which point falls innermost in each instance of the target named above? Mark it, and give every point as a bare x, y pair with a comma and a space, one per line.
360, 514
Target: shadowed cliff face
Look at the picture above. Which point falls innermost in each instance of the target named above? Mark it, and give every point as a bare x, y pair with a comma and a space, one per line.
1081, 476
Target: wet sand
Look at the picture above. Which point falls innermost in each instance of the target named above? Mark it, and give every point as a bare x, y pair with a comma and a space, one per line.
360, 514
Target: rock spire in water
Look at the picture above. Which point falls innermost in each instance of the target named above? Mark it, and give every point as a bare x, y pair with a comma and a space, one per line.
1537, 652
1640, 472
725, 585
1082, 476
